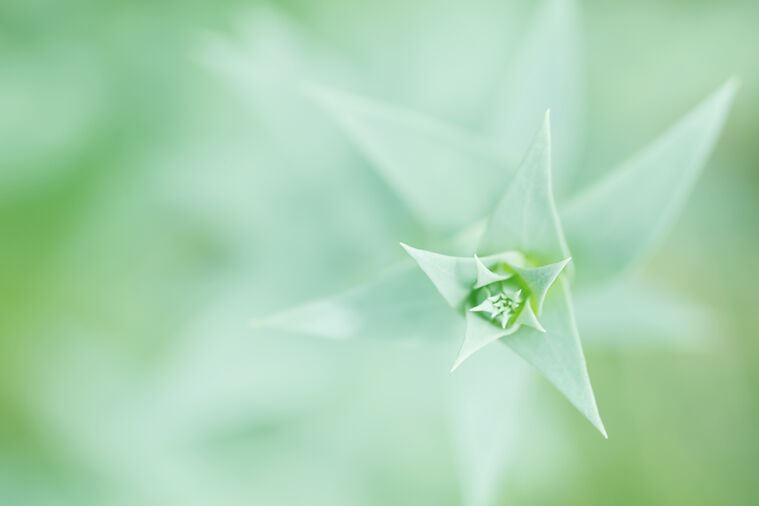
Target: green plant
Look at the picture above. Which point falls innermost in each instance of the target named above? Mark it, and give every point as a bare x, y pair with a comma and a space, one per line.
450, 179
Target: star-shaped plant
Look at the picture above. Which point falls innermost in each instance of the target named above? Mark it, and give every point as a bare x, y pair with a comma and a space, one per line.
468, 196
518, 289
511, 279
495, 301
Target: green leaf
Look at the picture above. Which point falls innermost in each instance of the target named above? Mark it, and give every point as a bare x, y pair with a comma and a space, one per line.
528, 317
621, 219
447, 178
485, 276
397, 305
557, 353
454, 277
545, 75
540, 279
638, 314
525, 218
489, 439
479, 333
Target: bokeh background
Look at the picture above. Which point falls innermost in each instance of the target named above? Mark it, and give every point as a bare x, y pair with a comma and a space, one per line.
162, 181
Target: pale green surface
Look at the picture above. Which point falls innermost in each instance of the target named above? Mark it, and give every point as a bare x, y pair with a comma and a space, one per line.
412, 152
525, 219
163, 180
622, 217
611, 221
544, 74
540, 279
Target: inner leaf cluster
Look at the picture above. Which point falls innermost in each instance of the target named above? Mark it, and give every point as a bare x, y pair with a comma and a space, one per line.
502, 301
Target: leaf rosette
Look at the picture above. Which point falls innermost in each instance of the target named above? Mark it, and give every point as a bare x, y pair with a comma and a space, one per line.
513, 284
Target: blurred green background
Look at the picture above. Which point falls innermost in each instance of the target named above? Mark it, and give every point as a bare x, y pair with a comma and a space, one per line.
162, 182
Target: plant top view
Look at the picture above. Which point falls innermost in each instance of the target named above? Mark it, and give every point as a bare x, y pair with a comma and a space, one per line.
524, 274
287, 253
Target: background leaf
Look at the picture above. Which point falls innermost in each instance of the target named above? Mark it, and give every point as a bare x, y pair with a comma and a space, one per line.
486, 393
525, 218
544, 74
620, 219
637, 314
225, 196
399, 304
445, 176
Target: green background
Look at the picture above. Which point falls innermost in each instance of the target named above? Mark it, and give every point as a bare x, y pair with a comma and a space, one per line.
162, 182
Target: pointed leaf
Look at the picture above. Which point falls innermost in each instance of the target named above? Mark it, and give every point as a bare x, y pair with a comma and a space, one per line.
540, 279
557, 353
446, 177
527, 317
453, 277
525, 218
485, 307
621, 219
638, 314
397, 305
479, 333
485, 276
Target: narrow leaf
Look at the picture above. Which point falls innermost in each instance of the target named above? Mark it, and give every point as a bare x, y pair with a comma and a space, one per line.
638, 314
479, 333
485, 276
486, 395
446, 177
557, 353
528, 317
397, 305
525, 218
621, 219
454, 277
545, 75
540, 279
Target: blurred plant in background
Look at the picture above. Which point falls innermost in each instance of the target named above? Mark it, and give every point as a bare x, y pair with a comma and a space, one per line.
163, 178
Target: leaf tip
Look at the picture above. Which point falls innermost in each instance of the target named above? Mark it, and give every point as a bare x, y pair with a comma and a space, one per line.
725, 94
461, 358
596, 421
